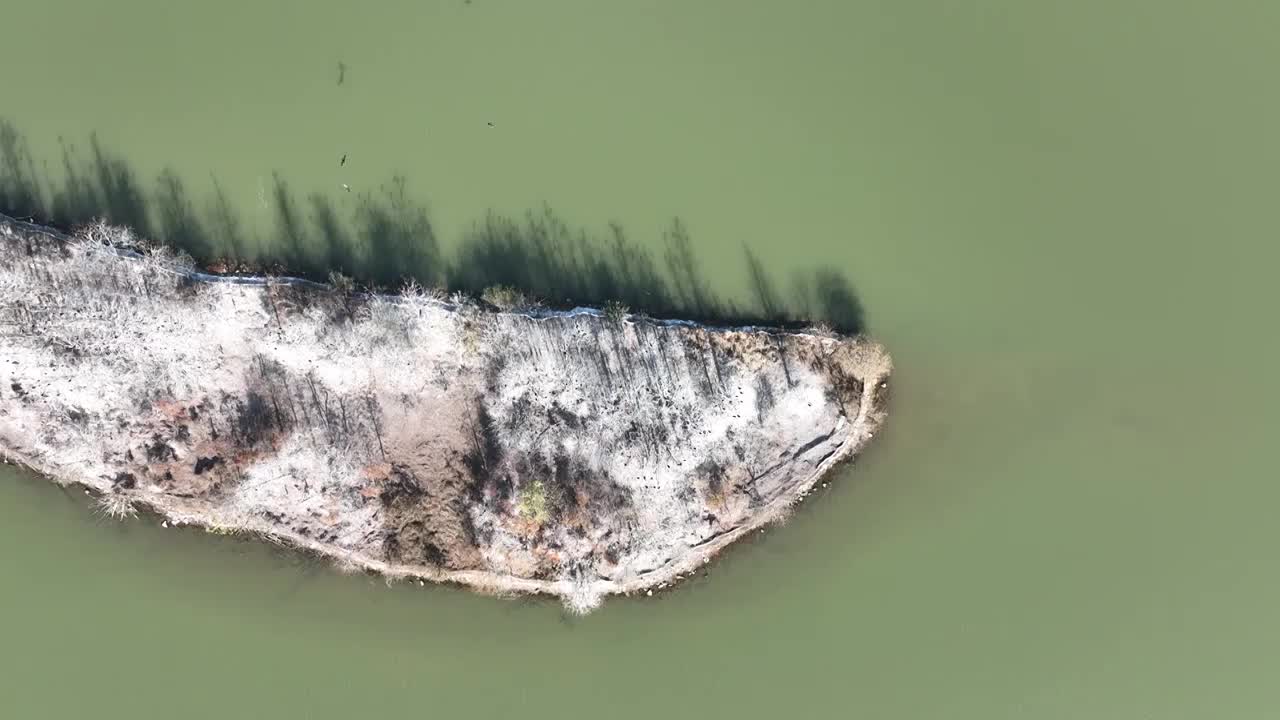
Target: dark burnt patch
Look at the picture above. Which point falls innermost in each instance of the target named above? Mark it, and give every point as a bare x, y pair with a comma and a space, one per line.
207, 463
158, 450
520, 412
765, 399
415, 543
713, 475
484, 454
845, 390
425, 521
493, 372
558, 414
400, 488
253, 418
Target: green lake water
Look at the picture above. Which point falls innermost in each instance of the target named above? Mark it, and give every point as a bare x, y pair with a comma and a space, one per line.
1060, 218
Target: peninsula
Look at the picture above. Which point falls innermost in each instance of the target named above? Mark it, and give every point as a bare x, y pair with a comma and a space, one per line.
486, 442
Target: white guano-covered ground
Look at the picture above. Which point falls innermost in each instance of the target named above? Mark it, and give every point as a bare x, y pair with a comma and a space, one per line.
416, 435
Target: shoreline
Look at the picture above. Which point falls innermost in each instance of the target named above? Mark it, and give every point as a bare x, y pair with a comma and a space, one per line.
544, 308
575, 590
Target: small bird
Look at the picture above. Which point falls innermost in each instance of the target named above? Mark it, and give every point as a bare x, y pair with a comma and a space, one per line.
343, 161
490, 124
346, 187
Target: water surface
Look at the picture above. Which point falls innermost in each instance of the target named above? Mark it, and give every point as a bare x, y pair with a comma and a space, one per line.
1058, 217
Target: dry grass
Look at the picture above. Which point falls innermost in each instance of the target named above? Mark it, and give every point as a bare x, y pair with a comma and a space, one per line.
583, 597
116, 506
102, 233
508, 298
413, 291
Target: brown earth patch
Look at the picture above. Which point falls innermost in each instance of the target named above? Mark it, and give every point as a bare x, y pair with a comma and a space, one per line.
424, 487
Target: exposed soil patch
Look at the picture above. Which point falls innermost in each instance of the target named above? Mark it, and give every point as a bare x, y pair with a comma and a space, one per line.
425, 495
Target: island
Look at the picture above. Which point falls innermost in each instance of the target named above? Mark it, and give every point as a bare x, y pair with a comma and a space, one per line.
484, 441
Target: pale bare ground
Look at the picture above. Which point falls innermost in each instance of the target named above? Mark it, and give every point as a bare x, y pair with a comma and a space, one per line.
419, 436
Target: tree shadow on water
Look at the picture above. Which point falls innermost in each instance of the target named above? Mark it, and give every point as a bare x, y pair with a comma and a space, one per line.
397, 237
119, 190
224, 224
290, 237
387, 236
19, 185
543, 256
330, 234
177, 216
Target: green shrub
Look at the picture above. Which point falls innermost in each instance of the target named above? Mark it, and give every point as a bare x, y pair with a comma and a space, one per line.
341, 283
504, 297
531, 502
616, 312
